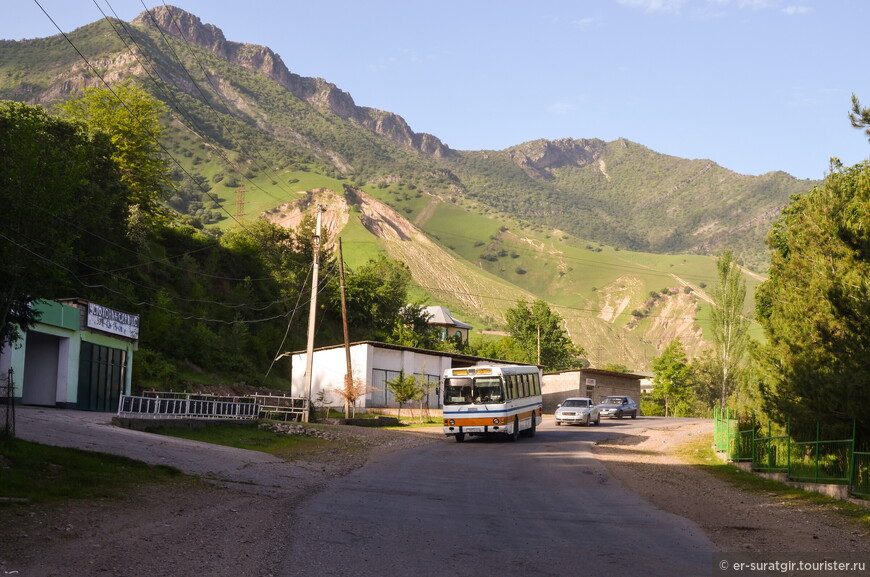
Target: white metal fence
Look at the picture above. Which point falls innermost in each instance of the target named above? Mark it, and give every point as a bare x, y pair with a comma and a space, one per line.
170, 405
182, 406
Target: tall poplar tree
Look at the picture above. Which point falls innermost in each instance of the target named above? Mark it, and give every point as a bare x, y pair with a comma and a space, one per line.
728, 324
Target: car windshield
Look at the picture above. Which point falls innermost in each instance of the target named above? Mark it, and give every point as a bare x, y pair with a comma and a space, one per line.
468, 391
613, 401
576, 403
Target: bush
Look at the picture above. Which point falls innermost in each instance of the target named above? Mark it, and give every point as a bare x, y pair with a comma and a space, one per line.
651, 407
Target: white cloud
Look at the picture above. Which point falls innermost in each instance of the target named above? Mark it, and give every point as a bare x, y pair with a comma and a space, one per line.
655, 5
587, 22
797, 10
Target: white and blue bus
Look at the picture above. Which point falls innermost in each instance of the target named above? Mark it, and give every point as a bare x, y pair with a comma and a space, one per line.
491, 400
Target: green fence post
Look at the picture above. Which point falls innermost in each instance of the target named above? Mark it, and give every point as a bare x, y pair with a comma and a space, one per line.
851, 463
818, 436
788, 447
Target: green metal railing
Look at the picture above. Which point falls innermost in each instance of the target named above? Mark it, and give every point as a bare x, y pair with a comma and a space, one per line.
859, 484
809, 460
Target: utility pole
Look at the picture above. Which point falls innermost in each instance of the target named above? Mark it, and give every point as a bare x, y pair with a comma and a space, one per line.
312, 311
348, 377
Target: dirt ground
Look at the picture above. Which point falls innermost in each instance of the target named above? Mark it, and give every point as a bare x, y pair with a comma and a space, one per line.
202, 529
735, 520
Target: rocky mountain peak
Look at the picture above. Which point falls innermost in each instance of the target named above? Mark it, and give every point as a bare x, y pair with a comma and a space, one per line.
178, 22
315, 91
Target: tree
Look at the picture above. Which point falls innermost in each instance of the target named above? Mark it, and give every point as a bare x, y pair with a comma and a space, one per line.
353, 389
728, 325
412, 329
405, 388
131, 118
860, 117
671, 382
538, 337
58, 187
377, 295
815, 305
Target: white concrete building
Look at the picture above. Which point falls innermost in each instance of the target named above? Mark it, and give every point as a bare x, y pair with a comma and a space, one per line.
374, 364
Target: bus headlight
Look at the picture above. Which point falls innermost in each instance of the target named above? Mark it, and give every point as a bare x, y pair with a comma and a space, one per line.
495, 421
451, 422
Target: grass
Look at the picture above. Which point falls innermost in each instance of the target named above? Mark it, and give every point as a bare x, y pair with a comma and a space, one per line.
39, 473
251, 438
699, 453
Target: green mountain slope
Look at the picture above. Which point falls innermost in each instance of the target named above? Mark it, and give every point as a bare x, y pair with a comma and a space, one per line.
592, 227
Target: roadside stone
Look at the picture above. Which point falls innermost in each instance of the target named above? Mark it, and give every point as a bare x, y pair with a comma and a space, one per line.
295, 429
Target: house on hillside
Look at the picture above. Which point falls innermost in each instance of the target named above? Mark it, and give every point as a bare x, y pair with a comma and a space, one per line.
373, 364
78, 356
593, 383
450, 328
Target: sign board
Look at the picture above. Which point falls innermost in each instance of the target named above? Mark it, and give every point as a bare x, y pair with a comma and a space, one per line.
590, 382
112, 321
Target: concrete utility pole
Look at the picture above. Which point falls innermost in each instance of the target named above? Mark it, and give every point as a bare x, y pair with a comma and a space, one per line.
312, 311
348, 377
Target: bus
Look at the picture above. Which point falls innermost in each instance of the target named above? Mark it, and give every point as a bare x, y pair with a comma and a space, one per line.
492, 400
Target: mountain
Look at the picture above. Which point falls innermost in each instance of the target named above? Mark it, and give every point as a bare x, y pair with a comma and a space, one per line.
595, 228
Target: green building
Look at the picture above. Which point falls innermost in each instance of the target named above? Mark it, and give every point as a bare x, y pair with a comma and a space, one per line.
79, 356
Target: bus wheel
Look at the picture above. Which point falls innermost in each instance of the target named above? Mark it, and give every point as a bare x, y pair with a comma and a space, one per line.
459, 437
516, 434
531, 432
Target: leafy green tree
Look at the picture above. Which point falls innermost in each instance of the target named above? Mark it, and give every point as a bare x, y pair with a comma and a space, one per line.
131, 118
538, 336
57, 186
412, 329
405, 388
377, 296
671, 382
728, 324
815, 305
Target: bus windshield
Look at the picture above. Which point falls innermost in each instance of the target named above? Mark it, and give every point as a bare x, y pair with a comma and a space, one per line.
465, 390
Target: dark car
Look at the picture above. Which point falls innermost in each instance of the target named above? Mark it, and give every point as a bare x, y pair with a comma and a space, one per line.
618, 407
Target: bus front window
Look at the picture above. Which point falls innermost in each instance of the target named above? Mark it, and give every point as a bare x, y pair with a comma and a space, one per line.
457, 392
488, 390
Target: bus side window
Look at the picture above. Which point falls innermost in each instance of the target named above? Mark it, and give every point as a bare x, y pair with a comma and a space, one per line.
513, 386
524, 384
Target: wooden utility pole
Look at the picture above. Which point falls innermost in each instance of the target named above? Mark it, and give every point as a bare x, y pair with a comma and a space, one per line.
312, 311
348, 377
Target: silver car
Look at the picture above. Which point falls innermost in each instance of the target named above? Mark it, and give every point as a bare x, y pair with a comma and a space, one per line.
618, 407
577, 410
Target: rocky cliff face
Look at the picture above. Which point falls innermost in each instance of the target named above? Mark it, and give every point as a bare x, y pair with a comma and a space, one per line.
539, 155
315, 91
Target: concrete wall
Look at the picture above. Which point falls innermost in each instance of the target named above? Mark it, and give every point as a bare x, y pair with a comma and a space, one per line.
557, 387
329, 367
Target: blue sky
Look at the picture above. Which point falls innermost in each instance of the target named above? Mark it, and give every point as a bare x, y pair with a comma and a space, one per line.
754, 85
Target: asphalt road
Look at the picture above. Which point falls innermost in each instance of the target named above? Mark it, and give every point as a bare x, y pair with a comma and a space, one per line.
541, 506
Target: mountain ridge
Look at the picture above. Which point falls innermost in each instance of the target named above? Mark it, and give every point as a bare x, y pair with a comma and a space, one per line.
564, 220
264, 60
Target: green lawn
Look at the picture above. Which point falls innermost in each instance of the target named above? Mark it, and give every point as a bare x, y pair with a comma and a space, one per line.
43, 473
